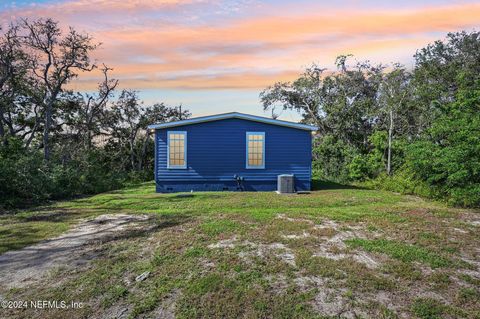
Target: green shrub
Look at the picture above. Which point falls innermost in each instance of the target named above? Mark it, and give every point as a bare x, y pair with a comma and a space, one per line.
331, 159
402, 182
448, 157
23, 176
25, 179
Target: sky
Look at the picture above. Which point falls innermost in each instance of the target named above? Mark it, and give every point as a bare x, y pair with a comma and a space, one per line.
216, 56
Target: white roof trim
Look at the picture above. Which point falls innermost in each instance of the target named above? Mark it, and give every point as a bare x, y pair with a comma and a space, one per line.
236, 115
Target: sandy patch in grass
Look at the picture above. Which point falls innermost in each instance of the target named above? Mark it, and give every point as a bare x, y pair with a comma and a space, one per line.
327, 224
474, 264
277, 282
335, 247
333, 300
329, 301
461, 231
290, 219
118, 311
226, 243
25, 266
332, 247
166, 309
261, 250
278, 250
294, 236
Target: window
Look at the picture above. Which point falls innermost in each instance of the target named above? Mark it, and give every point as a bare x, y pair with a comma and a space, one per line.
255, 149
177, 149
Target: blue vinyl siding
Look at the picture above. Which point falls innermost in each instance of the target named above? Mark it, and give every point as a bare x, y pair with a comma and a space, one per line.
216, 152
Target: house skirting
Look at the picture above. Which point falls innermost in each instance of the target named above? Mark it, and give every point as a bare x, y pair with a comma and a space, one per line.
216, 186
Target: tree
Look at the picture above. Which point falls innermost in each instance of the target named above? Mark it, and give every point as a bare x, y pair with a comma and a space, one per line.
55, 60
305, 95
447, 158
441, 69
342, 103
350, 108
125, 118
129, 120
90, 115
11, 69
10, 55
90, 142
393, 94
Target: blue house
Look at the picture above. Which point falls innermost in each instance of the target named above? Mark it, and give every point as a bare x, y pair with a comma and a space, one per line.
231, 151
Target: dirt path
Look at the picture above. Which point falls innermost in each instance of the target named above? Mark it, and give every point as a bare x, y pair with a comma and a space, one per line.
73, 248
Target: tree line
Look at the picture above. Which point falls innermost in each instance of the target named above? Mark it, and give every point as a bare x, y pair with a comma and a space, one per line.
414, 131
56, 142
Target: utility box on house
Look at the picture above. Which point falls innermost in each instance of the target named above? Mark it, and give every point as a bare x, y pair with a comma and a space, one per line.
285, 184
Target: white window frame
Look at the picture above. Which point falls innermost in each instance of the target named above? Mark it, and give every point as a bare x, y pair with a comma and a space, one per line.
246, 151
184, 166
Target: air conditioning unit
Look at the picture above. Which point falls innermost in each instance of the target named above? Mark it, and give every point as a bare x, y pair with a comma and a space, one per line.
285, 184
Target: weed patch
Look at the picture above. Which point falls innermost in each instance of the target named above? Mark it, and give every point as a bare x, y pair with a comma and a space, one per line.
400, 251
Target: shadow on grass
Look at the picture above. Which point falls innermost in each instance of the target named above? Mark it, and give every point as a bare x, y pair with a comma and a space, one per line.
153, 224
141, 228
68, 242
318, 184
179, 197
50, 216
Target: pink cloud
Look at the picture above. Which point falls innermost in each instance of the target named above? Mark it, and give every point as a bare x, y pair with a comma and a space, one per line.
244, 52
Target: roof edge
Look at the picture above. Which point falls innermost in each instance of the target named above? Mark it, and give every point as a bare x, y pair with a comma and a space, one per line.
223, 116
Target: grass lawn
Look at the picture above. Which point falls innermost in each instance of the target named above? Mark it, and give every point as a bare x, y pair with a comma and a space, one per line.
337, 252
